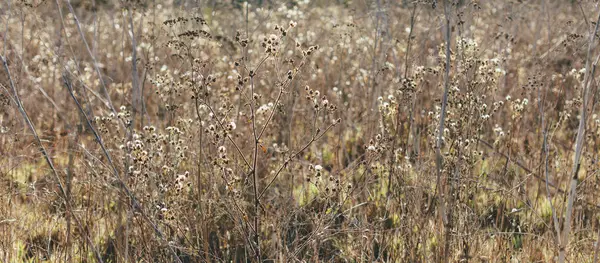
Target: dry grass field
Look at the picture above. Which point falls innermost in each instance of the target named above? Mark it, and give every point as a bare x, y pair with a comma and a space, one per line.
299, 131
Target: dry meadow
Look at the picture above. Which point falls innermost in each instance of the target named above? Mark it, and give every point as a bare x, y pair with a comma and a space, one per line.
299, 131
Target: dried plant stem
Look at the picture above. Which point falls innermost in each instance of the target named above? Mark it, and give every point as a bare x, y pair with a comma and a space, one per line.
87, 46
136, 206
279, 95
289, 159
255, 181
237, 148
408, 40
411, 119
546, 172
439, 144
256, 136
62, 190
199, 159
398, 122
255, 163
596, 245
134, 102
578, 147
58, 111
135, 93
374, 56
65, 193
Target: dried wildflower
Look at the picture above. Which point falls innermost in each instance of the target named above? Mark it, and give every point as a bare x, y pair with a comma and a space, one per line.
318, 168
231, 126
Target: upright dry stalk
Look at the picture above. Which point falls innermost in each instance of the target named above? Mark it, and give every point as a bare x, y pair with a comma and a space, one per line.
97, 69
254, 167
578, 148
439, 160
256, 138
63, 192
135, 92
373, 79
545, 152
548, 194
252, 74
408, 41
596, 248
597, 244
392, 161
134, 201
135, 102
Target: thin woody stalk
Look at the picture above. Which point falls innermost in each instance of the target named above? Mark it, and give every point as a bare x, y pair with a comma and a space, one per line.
578, 148
439, 159
136, 205
62, 190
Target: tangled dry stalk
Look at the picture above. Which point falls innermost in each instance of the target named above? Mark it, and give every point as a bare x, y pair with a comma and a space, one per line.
299, 131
